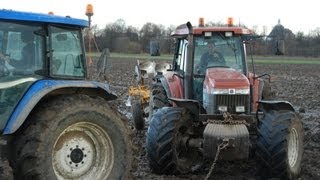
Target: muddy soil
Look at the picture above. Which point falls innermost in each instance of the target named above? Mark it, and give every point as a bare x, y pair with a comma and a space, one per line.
298, 84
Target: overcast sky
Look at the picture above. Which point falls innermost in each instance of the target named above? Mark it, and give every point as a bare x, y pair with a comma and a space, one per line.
295, 15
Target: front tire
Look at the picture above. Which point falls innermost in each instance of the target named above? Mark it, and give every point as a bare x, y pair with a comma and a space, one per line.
73, 137
280, 145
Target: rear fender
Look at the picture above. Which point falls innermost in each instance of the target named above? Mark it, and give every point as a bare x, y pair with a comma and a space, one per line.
42, 88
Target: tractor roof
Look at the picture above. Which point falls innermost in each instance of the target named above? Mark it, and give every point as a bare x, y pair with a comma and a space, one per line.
41, 18
235, 30
183, 30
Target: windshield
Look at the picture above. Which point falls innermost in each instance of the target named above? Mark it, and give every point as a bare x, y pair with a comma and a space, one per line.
217, 51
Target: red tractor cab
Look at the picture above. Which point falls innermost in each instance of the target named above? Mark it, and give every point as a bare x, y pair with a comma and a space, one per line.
214, 71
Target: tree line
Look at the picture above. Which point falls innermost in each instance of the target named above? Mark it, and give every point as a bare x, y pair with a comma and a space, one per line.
122, 38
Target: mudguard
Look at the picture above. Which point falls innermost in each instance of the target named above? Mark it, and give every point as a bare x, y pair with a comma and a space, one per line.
275, 105
43, 87
192, 105
172, 84
165, 85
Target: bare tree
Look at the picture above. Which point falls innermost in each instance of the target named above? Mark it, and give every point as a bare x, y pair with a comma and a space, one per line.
148, 32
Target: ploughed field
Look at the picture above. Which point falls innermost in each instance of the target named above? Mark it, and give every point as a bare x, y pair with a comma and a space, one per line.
298, 84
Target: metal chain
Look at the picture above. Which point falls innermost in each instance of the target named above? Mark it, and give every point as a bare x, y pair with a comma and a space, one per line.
227, 117
234, 122
229, 120
221, 146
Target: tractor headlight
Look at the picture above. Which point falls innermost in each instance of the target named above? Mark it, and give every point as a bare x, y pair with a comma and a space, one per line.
230, 91
223, 108
240, 109
243, 91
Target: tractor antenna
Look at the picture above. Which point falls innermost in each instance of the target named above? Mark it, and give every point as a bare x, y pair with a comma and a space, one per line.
89, 13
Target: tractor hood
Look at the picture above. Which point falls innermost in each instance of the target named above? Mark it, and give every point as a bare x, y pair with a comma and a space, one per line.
227, 81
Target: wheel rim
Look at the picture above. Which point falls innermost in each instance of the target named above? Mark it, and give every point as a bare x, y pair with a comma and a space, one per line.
83, 150
293, 147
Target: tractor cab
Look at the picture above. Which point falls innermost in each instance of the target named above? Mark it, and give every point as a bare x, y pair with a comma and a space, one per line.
39, 47
212, 62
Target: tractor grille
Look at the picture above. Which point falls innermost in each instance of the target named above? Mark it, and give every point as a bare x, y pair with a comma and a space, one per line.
230, 101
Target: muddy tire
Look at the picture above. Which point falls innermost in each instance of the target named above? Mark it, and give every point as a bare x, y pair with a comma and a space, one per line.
5, 170
158, 98
137, 114
73, 137
167, 129
279, 145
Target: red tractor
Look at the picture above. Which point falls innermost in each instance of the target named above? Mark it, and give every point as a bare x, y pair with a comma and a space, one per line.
209, 104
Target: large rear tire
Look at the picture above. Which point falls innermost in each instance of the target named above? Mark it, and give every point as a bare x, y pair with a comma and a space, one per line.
5, 170
73, 137
167, 152
280, 145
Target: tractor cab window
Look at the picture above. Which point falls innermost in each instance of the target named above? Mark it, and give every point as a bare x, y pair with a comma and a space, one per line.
181, 55
217, 51
67, 54
22, 49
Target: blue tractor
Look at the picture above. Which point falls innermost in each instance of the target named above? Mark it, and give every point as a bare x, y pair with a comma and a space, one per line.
54, 123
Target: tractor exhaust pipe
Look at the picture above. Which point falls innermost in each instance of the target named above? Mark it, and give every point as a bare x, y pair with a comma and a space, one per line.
188, 82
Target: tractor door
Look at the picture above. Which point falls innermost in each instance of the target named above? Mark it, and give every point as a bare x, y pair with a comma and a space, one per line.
22, 49
175, 79
67, 53
181, 56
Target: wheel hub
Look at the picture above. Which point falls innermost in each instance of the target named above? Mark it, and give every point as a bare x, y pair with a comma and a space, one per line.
84, 151
76, 155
